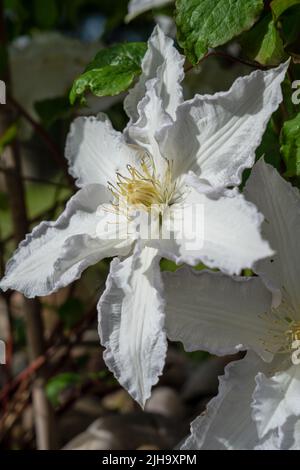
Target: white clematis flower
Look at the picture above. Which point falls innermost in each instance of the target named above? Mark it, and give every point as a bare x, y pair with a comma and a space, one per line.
136, 7
211, 138
258, 405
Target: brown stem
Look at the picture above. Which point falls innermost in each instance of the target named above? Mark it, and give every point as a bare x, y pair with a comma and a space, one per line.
23, 376
54, 150
23, 380
45, 214
32, 179
231, 58
32, 308
15, 191
75, 335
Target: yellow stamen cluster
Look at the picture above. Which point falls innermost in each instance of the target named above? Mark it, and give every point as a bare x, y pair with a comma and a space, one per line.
142, 188
284, 330
293, 333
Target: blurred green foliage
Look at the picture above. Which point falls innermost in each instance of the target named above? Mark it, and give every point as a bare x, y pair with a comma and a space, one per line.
71, 311
8, 136
24, 15
290, 146
263, 42
59, 383
53, 109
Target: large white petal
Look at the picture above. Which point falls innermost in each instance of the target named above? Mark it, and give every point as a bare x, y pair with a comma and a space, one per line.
280, 204
227, 422
163, 62
136, 7
56, 253
223, 233
95, 151
276, 400
216, 136
214, 312
131, 323
152, 117
291, 436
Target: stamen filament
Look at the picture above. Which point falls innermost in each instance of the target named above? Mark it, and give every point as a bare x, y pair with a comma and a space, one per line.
143, 188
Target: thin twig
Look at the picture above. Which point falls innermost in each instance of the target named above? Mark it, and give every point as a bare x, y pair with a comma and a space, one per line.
39, 180
24, 378
231, 58
54, 150
45, 214
37, 363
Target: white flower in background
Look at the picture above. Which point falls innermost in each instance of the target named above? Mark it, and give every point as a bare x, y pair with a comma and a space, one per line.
175, 158
258, 405
55, 61
136, 7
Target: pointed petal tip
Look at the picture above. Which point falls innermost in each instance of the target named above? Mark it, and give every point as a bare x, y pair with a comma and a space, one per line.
131, 328
8, 283
3, 286
129, 18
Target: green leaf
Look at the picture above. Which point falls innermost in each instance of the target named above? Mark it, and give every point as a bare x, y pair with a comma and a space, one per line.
111, 72
8, 136
270, 146
288, 99
71, 312
46, 13
167, 265
195, 356
290, 146
280, 6
211, 23
117, 116
50, 110
56, 385
263, 43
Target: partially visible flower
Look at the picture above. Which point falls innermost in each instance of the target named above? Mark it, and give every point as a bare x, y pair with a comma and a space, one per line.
258, 405
174, 162
136, 7
55, 61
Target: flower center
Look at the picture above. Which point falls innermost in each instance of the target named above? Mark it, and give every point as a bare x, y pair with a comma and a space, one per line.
142, 188
283, 335
293, 333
